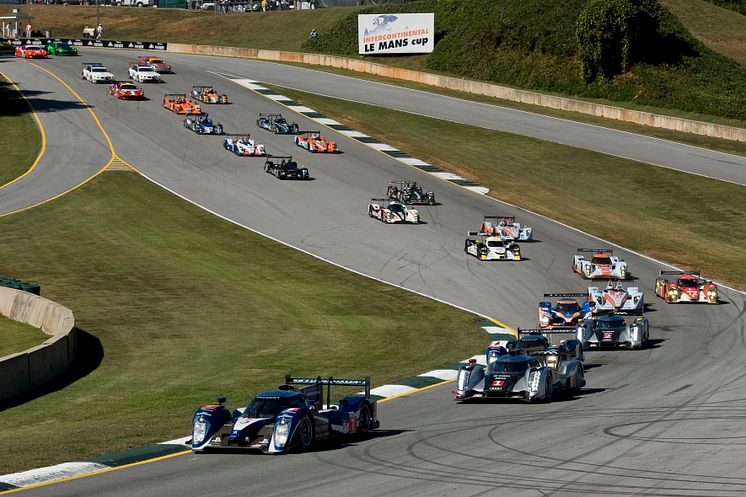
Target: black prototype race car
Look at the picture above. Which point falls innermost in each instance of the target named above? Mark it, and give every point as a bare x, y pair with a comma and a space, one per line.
408, 192
277, 124
285, 168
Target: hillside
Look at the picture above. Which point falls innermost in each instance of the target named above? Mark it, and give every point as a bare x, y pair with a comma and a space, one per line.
533, 45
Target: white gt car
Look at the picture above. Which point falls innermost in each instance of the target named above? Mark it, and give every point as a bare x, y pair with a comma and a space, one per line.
614, 298
601, 265
491, 248
95, 72
391, 212
144, 74
243, 145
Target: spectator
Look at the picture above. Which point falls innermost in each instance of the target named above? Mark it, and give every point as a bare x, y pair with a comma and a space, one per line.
99, 31
314, 34
28, 30
264, 5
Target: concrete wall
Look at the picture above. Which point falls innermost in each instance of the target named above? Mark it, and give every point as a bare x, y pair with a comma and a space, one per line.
476, 87
20, 373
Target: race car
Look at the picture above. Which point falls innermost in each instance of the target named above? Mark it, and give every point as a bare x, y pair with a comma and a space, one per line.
124, 91
180, 104
142, 73
566, 312
31, 52
617, 299
96, 72
203, 125
537, 375
506, 228
532, 341
285, 168
208, 95
613, 331
491, 248
688, 287
602, 264
61, 48
276, 124
391, 212
243, 145
314, 141
156, 62
287, 419
408, 192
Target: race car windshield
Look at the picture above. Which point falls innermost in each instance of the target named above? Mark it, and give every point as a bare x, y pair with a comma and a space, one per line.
510, 367
600, 259
156, 61
494, 243
280, 120
396, 208
146, 69
128, 87
687, 283
567, 307
615, 324
98, 69
269, 407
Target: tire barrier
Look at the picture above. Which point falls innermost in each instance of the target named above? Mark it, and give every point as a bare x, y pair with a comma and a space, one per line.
26, 371
20, 285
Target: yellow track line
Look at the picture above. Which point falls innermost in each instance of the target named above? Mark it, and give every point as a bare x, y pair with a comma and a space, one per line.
103, 131
41, 129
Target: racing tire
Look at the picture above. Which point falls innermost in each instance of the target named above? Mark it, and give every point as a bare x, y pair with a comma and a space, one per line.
364, 422
579, 377
370, 212
199, 130
548, 389
275, 129
304, 435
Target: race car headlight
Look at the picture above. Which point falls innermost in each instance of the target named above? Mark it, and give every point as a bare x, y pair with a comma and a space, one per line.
199, 430
533, 381
282, 431
544, 320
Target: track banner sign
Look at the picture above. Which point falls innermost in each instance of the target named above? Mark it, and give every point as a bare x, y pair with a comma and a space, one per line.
395, 33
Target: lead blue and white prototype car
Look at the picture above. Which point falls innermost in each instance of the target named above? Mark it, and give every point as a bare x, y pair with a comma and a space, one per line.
287, 419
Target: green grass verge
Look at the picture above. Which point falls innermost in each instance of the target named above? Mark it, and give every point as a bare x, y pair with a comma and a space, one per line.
681, 218
18, 126
16, 337
721, 29
188, 307
727, 146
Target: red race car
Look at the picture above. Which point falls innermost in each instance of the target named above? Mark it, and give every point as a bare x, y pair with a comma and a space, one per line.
688, 287
31, 52
124, 90
158, 63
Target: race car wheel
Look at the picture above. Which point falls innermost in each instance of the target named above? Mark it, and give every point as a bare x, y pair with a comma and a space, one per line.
275, 129
548, 389
304, 435
370, 211
365, 421
578, 380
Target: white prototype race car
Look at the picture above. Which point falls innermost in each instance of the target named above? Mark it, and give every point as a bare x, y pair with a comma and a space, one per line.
243, 145
601, 265
392, 212
491, 248
615, 298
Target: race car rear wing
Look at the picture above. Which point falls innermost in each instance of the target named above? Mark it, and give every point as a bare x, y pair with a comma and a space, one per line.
288, 157
241, 135
595, 250
568, 295
507, 219
543, 331
313, 387
693, 273
301, 132
175, 95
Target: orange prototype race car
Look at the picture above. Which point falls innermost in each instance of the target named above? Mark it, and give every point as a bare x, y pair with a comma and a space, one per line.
179, 103
124, 90
688, 287
208, 95
314, 141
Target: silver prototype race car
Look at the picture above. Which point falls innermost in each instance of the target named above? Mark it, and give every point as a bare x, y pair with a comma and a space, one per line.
614, 331
491, 248
617, 299
530, 371
391, 212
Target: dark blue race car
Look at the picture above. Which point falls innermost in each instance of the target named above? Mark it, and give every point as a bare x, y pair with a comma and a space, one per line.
566, 312
286, 419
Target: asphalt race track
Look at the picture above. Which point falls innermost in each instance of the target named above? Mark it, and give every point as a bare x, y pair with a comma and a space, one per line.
667, 420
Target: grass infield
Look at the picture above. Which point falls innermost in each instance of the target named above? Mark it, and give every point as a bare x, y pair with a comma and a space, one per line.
688, 220
188, 307
18, 126
16, 337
